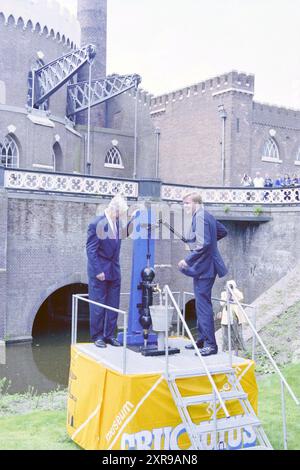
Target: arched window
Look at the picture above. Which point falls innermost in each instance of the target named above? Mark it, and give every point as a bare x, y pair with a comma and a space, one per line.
113, 158
9, 152
270, 151
57, 157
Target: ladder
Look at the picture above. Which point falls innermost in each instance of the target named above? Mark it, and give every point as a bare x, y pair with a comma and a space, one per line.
215, 426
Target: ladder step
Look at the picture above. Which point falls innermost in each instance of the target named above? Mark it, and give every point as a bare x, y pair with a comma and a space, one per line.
198, 399
200, 373
224, 424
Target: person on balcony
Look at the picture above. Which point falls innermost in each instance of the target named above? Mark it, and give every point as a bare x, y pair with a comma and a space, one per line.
258, 181
268, 181
246, 180
287, 181
203, 263
278, 183
295, 180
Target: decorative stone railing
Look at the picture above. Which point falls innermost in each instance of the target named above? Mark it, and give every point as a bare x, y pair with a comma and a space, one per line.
234, 195
27, 180
68, 183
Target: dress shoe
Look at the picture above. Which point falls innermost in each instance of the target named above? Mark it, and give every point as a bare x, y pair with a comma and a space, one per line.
208, 351
199, 344
112, 341
100, 343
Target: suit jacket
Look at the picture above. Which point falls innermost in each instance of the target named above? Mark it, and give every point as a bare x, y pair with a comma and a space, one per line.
204, 260
103, 249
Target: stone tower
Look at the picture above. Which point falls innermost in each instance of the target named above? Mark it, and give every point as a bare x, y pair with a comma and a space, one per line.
92, 16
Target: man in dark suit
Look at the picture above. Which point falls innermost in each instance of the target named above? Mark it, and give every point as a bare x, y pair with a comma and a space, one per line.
203, 263
104, 274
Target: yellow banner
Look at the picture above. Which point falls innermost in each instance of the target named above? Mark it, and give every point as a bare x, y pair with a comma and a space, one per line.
111, 411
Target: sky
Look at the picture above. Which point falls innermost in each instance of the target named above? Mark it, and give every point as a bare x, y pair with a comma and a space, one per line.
176, 43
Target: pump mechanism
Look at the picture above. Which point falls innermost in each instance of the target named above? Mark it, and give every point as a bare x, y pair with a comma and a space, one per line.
148, 287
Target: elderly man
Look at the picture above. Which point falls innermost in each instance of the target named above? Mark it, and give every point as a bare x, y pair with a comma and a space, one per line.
203, 263
104, 274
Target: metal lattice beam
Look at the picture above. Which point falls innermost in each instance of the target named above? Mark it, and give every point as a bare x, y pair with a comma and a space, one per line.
49, 78
101, 90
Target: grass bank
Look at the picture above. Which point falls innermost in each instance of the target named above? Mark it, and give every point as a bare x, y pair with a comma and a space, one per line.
40, 423
269, 410
40, 430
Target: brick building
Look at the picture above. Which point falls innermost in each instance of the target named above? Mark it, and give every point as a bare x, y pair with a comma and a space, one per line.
257, 137
205, 134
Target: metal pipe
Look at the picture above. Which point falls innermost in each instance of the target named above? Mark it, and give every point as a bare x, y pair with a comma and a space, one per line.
285, 443
183, 310
125, 343
73, 320
265, 349
253, 336
33, 89
157, 133
107, 307
167, 336
168, 292
223, 150
228, 308
88, 159
135, 133
220, 300
178, 322
215, 420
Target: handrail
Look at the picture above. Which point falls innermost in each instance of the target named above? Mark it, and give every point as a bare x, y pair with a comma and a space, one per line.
283, 381
240, 305
263, 346
233, 303
221, 300
169, 293
82, 297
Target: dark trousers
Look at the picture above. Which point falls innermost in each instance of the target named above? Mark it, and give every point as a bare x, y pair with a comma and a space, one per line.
204, 311
103, 322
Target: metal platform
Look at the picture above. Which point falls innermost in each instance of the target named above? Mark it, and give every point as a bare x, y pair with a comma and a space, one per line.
112, 356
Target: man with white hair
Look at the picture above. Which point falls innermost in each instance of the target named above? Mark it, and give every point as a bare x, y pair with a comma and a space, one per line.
104, 274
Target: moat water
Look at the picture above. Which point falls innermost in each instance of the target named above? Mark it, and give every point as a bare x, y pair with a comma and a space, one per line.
42, 366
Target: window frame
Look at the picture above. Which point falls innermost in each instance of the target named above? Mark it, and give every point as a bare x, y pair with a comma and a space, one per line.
270, 144
108, 156
15, 158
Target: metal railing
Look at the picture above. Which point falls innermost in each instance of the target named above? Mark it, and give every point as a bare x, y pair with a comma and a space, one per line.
217, 395
234, 195
181, 317
84, 298
255, 337
216, 299
284, 383
80, 184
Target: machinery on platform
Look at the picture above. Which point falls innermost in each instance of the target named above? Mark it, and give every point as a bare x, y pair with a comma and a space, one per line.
141, 334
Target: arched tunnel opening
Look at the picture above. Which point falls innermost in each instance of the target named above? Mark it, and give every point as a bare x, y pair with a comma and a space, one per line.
191, 319
51, 333
55, 314
190, 315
